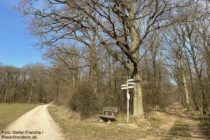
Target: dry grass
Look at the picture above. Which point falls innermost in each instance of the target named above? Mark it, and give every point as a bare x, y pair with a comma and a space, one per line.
92, 129
10, 112
180, 130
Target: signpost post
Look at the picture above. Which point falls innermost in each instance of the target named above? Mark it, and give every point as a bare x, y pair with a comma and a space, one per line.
129, 85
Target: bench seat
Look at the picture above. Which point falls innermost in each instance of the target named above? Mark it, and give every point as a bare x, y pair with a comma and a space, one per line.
109, 114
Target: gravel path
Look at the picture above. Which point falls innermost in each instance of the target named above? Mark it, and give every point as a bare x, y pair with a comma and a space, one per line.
36, 124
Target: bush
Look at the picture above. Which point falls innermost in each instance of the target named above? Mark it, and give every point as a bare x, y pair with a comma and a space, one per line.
84, 100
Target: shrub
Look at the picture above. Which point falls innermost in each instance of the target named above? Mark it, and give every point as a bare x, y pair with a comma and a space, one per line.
84, 100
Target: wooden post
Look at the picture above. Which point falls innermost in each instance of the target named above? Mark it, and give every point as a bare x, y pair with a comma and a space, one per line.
127, 103
129, 84
128, 100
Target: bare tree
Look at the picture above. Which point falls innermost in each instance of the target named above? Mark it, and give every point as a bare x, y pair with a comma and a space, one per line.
121, 27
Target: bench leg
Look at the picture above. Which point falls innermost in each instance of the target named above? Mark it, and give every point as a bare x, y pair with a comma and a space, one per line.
100, 120
108, 121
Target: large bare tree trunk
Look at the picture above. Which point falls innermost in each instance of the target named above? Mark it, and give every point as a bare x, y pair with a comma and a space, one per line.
135, 37
138, 109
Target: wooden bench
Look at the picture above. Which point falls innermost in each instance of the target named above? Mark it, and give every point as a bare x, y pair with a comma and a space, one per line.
109, 114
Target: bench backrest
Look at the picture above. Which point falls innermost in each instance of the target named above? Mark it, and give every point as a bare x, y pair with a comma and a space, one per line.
112, 110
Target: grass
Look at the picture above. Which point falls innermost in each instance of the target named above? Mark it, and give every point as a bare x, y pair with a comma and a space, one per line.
10, 112
205, 124
180, 130
92, 129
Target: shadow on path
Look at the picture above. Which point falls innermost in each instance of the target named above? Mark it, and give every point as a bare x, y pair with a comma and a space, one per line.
187, 128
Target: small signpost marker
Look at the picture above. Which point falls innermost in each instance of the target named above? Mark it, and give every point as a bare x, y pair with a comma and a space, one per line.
129, 85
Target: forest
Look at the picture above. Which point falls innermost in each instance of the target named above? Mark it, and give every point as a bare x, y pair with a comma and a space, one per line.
94, 46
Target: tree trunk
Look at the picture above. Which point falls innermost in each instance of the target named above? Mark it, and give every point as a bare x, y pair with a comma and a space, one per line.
185, 89
31, 93
138, 109
191, 81
204, 107
73, 79
93, 69
204, 104
5, 96
59, 93
155, 89
29, 99
93, 75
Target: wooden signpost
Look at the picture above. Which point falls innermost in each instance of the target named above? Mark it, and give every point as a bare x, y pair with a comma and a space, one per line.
129, 85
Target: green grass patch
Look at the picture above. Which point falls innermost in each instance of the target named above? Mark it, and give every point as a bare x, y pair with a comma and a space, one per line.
10, 112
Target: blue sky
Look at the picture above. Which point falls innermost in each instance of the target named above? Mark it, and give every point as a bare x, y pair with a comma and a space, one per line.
16, 43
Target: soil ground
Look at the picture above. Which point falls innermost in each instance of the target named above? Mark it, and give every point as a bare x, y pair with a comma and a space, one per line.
35, 124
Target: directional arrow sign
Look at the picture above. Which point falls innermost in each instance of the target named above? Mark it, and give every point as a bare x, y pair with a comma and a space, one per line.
127, 87
131, 83
130, 80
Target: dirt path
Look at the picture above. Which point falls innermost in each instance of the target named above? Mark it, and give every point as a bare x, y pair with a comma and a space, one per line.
160, 132
36, 124
186, 129
196, 132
